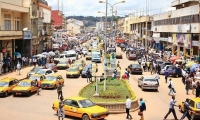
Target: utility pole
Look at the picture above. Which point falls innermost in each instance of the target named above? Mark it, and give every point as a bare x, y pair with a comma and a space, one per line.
58, 5
105, 59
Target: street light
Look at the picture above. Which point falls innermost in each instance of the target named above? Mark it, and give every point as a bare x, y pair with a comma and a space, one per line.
112, 6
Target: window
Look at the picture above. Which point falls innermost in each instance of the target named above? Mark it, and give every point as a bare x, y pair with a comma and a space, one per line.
17, 25
7, 24
191, 103
196, 18
74, 103
68, 102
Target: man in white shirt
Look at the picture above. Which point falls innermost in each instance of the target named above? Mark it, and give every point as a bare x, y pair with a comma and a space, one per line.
128, 106
171, 87
157, 77
171, 108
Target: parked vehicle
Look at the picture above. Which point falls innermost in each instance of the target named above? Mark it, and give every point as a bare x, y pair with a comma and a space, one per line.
6, 86
52, 81
96, 57
34, 70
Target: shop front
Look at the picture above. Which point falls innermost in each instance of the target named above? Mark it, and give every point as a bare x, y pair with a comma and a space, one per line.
170, 45
183, 44
195, 47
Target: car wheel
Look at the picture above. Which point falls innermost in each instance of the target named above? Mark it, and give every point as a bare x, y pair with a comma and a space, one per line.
6, 93
85, 117
29, 93
138, 84
54, 87
142, 88
14, 95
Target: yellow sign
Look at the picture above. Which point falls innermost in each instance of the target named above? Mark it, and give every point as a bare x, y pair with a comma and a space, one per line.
187, 41
174, 39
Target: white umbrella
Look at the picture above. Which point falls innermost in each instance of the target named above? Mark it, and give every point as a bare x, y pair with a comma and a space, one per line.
40, 55
44, 53
51, 53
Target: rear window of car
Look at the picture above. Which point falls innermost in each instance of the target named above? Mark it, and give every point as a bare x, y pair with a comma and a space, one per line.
135, 66
149, 80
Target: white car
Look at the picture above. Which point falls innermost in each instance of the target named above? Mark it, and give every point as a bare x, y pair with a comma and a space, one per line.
45, 72
85, 51
162, 71
148, 82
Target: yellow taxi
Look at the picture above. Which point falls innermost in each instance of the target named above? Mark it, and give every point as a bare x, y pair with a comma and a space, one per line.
82, 108
88, 57
6, 86
194, 104
25, 87
63, 64
37, 76
90, 49
73, 72
78, 65
52, 81
80, 62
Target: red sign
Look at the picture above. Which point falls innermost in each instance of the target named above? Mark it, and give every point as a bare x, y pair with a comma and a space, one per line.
119, 40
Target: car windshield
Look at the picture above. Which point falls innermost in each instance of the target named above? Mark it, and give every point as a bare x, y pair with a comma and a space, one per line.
62, 62
36, 69
3, 84
86, 103
41, 72
136, 66
34, 78
50, 78
72, 69
150, 80
198, 105
24, 84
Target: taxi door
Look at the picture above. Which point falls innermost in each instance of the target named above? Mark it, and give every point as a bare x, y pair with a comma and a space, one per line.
75, 109
33, 87
67, 107
14, 82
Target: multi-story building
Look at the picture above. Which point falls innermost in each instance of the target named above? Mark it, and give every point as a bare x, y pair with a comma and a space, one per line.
14, 17
140, 29
57, 18
40, 14
74, 26
120, 25
179, 29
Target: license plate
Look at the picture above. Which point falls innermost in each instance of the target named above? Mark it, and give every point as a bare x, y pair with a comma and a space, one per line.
18, 93
136, 69
71, 76
103, 116
45, 86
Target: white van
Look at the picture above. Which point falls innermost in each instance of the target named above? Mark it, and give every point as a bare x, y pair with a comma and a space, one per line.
66, 55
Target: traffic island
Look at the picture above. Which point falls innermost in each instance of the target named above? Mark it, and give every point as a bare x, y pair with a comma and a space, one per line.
113, 98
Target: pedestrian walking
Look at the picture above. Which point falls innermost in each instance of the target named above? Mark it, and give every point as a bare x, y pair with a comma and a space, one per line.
18, 68
38, 86
194, 85
128, 106
186, 110
61, 111
157, 77
197, 90
88, 75
142, 109
171, 108
187, 85
127, 73
171, 87
59, 90
166, 75
9, 66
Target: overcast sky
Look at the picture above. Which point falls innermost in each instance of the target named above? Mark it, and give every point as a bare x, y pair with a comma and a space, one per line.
91, 7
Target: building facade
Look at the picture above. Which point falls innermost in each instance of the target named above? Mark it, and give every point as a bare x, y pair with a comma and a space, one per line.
179, 29
14, 17
74, 26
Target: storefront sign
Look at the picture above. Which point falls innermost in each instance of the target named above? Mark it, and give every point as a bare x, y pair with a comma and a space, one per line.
27, 35
149, 38
196, 43
156, 35
157, 40
170, 39
164, 39
182, 38
179, 28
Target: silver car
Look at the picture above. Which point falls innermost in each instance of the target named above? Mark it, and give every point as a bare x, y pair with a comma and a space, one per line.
148, 82
33, 71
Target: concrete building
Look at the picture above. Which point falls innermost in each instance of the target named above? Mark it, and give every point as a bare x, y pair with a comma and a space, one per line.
40, 14
120, 24
74, 26
99, 26
179, 29
14, 16
140, 29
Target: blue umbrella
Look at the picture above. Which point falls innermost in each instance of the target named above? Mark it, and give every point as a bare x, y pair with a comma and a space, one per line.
17, 53
194, 66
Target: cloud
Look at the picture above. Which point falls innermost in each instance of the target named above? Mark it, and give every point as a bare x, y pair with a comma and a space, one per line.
91, 7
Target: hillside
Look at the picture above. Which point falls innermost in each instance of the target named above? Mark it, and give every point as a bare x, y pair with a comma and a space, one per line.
90, 20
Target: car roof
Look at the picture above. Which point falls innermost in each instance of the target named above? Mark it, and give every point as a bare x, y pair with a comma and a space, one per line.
7, 79
148, 77
55, 75
74, 67
36, 75
76, 98
27, 80
196, 99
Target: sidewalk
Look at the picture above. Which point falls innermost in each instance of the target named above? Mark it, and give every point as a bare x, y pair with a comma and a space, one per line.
14, 74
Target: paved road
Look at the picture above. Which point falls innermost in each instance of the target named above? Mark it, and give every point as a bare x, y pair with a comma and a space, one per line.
39, 107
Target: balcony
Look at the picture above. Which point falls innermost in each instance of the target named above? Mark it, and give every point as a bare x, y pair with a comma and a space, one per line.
185, 1
10, 33
179, 2
175, 3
